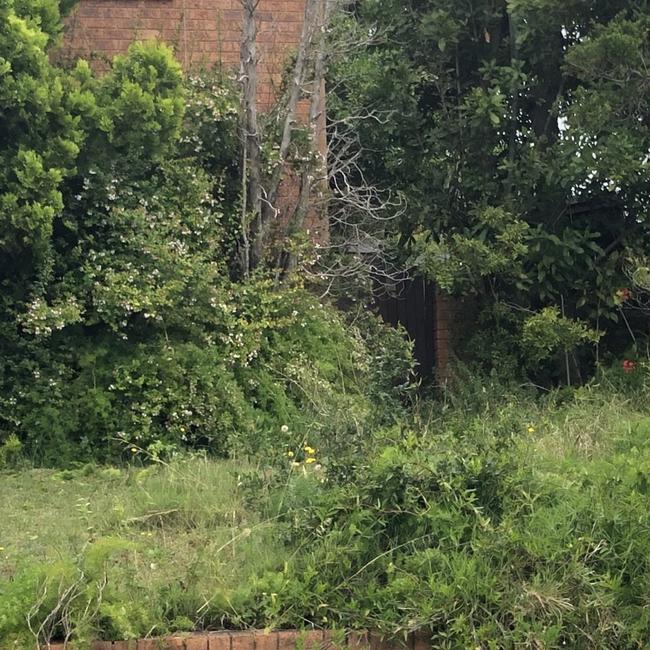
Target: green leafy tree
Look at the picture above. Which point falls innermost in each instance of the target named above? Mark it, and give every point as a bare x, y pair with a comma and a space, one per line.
517, 131
40, 136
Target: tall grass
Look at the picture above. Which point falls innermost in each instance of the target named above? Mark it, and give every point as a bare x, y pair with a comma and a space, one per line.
173, 547
493, 518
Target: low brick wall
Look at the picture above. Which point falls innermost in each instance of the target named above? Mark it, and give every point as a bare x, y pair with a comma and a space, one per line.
258, 640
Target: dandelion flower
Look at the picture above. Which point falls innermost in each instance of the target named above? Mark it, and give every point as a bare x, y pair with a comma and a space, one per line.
290, 454
134, 450
284, 428
310, 460
531, 429
310, 450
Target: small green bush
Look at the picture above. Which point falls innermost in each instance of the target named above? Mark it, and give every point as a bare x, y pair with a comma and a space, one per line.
10, 451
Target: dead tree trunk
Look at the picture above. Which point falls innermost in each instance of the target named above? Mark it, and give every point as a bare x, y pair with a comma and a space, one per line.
251, 218
261, 192
313, 177
358, 212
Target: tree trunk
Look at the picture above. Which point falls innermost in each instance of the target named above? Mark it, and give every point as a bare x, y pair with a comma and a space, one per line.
252, 158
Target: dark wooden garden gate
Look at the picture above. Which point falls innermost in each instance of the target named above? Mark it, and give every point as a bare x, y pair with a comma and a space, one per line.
413, 306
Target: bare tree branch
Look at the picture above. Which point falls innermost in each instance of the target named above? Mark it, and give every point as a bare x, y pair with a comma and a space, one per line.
331, 179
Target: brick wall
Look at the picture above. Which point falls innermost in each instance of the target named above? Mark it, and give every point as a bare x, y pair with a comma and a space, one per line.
258, 640
202, 32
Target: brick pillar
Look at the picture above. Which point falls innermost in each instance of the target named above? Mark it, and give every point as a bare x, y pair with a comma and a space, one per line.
443, 336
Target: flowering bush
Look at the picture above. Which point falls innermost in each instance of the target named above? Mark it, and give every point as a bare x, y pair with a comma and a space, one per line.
126, 330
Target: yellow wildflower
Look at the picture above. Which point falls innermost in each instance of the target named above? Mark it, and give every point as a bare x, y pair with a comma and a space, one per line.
310, 450
134, 450
290, 454
310, 460
531, 429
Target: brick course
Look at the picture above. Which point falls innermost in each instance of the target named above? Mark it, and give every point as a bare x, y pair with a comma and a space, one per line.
259, 640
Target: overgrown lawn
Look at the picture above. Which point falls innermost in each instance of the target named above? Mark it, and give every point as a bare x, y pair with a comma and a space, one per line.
152, 549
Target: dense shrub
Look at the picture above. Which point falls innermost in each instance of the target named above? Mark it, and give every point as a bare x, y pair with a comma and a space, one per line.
499, 530
129, 333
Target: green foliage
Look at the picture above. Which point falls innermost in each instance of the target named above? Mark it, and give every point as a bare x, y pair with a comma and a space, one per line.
278, 358
110, 553
36, 594
144, 87
390, 365
547, 332
41, 138
122, 328
495, 244
211, 113
611, 104
505, 523
44, 15
517, 133
497, 518
494, 520
210, 137
10, 451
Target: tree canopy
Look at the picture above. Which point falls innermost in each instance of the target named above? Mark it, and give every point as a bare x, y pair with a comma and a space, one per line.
518, 134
